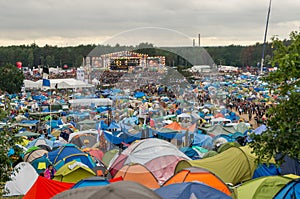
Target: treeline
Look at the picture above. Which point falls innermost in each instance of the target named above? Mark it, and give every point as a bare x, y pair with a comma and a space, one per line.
33, 55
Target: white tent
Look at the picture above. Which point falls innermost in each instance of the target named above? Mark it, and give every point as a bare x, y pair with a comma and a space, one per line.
90, 101
59, 83
22, 179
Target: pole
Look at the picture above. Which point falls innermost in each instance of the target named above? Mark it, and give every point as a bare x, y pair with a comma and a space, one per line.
265, 38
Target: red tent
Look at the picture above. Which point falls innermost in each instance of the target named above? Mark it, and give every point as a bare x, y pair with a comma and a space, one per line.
44, 188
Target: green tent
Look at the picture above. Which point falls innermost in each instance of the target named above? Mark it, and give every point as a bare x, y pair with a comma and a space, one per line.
261, 188
73, 172
108, 156
234, 165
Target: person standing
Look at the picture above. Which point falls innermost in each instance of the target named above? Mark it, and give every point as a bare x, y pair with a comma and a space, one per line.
49, 172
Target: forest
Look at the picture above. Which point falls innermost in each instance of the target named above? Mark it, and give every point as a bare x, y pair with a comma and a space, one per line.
72, 56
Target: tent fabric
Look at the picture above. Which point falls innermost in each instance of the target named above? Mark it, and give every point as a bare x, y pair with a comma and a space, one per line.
109, 155
190, 190
73, 172
217, 130
67, 153
261, 188
84, 140
290, 191
40, 164
138, 173
117, 190
290, 165
234, 165
90, 182
44, 188
35, 154
197, 174
266, 170
174, 126
22, 178
144, 151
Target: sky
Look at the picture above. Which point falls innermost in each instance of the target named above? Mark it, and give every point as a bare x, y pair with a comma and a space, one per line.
129, 22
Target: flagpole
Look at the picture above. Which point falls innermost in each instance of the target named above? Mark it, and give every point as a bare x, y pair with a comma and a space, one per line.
265, 38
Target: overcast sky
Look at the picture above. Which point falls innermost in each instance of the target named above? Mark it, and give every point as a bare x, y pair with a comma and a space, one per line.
162, 22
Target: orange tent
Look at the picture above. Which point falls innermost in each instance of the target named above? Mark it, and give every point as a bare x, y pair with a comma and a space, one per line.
44, 188
138, 173
198, 174
174, 126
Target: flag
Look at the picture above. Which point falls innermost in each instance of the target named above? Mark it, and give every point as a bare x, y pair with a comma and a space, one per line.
46, 82
45, 72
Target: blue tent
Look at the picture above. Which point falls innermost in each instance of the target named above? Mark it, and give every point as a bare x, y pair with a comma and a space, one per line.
290, 165
91, 182
42, 142
266, 170
190, 190
203, 141
67, 153
290, 191
190, 152
139, 94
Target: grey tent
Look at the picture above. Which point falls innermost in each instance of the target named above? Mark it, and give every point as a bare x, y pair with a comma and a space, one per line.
118, 190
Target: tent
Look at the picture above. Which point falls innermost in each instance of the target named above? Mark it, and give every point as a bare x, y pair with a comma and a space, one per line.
290, 191
90, 182
86, 125
290, 165
42, 143
84, 140
73, 172
217, 130
234, 165
261, 188
95, 152
118, 190
34, 153
158, 156
40, 164
109, 155
174, 126
138, 173
197, 174
46, 188
190, 190
67, 153
22, 178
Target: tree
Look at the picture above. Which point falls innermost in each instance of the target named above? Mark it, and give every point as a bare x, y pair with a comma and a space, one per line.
11, 80
7, 145
283, 133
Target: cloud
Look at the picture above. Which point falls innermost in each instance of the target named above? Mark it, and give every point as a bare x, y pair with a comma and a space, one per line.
77, 21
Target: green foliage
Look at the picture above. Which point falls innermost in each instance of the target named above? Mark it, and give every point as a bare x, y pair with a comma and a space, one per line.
7, 142
11, 80
33, 55
283, 134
